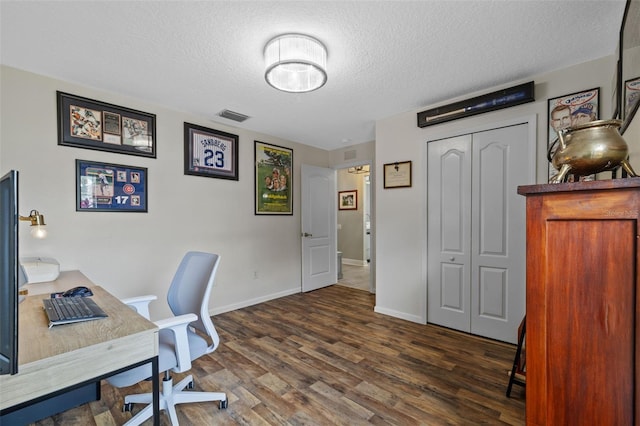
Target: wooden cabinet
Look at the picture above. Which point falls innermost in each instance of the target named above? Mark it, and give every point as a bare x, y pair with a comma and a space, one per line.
582, 340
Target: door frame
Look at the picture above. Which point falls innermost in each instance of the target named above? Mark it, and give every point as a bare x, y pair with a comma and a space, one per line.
530, 119
372, 211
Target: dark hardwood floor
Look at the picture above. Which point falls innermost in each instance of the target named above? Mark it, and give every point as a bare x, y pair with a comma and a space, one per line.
325, 358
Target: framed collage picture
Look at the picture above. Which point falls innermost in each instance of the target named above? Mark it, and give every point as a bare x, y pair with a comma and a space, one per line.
210, 153
104, 187
273, 179
91, 124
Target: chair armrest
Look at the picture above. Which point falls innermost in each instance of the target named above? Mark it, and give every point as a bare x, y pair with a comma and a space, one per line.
179, 326
140, 304
176, 322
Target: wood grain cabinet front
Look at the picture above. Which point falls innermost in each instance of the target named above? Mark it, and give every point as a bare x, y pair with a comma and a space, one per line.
582, 303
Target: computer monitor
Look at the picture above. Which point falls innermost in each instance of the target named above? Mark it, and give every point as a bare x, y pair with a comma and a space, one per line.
9, 273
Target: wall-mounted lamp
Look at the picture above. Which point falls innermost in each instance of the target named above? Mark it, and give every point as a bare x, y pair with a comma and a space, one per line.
37, 224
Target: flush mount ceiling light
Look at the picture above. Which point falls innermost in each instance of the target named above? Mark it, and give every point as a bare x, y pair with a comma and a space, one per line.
295, 63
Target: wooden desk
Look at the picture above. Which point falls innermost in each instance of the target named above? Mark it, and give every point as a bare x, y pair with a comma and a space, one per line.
54, 360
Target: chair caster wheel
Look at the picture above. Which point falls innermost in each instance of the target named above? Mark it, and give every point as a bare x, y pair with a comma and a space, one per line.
127, 407
223, 404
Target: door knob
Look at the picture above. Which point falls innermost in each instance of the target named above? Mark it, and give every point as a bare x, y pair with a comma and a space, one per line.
306, 234
452, 258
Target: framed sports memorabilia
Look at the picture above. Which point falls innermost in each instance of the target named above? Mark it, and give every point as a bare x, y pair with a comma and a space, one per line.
210, 153
91, 124
348, 200
631, 95
504, 98
273, 179
104, 187
567, 111
397, 175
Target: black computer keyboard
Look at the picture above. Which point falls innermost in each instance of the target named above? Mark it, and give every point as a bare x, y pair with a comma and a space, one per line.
67, 310
71, 308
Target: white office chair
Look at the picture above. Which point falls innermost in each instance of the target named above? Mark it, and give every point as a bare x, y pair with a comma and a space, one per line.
178, 343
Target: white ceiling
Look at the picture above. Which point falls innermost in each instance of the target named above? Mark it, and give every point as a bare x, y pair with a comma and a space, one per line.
385, 57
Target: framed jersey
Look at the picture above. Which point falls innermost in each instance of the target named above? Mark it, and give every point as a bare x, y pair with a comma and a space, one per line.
210, 153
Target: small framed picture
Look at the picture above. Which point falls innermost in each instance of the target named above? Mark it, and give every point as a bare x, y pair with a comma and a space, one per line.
91, 124
104, 187
397, 175
348, 200
273, 179
210, 153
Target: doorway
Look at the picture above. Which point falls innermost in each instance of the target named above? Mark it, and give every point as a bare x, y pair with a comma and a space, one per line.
354, 228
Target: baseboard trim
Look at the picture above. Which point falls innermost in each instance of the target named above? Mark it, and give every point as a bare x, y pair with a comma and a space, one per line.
401, 315
255, 301
354, 262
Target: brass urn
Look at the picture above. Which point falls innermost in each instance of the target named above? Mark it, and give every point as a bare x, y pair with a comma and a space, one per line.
590, 148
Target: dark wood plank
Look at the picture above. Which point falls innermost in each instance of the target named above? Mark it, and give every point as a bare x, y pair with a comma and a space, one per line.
325, 357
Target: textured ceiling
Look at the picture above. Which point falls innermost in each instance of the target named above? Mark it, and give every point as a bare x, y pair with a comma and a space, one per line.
385, 57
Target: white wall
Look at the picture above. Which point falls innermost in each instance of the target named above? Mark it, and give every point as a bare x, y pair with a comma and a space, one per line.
352, 155
401, 213
137, 253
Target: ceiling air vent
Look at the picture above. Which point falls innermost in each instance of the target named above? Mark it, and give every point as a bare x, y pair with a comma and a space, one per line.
231, 115
350, 155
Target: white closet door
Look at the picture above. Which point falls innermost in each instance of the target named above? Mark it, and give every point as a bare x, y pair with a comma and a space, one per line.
449, 232
476, 232
498, 278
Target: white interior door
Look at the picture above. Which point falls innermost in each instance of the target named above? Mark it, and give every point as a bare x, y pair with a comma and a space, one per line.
476, 225
319, 236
